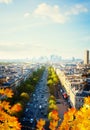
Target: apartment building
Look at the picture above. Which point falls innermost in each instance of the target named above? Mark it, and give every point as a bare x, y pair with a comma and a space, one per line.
11, 75
75, 82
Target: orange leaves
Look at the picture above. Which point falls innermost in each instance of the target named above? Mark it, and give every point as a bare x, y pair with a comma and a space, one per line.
7, 92
16, 107
54, 115
13, 123
53, 125
5, 105
79, 115
73, 119
87, 101
40, 124
8, 122
64, 126
77, 120
69, 116
69, 120
54, 118
2, 115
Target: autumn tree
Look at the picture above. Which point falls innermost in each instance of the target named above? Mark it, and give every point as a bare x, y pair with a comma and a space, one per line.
77, 119
52, 103
52, 80
7, 120
73, 119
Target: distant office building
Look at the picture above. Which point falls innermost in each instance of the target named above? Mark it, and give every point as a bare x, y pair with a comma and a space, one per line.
86, 57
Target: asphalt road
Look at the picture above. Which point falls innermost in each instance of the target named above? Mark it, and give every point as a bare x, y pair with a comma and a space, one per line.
37, 107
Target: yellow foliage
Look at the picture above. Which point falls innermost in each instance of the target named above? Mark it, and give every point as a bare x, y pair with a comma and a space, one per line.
77, 120
53, 115
40, 124
8, 122
87, 101
53, 106
7, 92
53, 125
51, 101
73, 119
16, 107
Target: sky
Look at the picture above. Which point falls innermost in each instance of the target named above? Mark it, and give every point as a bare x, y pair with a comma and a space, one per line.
33, 28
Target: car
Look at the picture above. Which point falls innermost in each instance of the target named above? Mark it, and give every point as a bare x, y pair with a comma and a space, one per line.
35, 106
26, 110
58, 102
46, 100
65, 95
24, 119
40, 106
31, 120
61, 90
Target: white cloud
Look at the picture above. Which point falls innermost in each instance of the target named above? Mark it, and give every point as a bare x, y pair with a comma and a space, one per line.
53, 13
77, 9
26, 14
5, 1
50, 12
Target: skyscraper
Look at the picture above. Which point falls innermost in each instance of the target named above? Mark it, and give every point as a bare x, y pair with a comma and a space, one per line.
86, 57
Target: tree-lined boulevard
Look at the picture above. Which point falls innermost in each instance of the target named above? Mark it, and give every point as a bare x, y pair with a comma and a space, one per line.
40, 102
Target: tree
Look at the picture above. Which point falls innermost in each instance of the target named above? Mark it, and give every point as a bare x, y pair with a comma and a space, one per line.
40, 124
77, 119
7, 120
73, 119
24, 96
50, 82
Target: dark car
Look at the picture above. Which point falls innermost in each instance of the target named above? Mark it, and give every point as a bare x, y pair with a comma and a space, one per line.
65, 95
58, 102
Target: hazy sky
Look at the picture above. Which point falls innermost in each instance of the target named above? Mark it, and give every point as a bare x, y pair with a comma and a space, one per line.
31, 28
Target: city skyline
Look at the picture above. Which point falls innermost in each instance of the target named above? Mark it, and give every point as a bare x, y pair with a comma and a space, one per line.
42, 28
